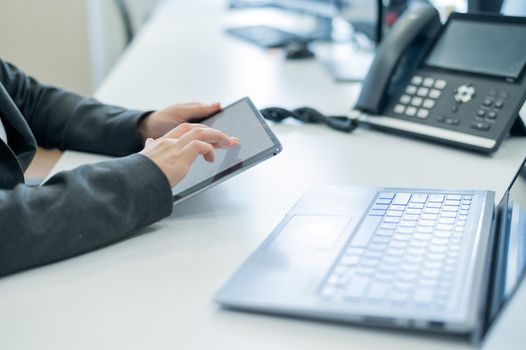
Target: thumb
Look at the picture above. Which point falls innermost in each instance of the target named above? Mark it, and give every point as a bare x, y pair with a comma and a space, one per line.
202, 111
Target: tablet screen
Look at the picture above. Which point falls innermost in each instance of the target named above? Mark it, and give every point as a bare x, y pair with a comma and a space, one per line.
256, 143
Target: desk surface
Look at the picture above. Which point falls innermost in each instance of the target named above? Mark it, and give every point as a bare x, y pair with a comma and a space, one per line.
155, 290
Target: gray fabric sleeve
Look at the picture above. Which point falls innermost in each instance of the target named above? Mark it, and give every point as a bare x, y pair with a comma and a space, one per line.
80, 210
65, 120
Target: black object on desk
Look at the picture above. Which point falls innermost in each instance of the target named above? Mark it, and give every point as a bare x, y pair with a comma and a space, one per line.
298, 50
462, 83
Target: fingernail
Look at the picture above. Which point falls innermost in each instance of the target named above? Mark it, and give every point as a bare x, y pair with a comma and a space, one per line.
234, 139
215, 105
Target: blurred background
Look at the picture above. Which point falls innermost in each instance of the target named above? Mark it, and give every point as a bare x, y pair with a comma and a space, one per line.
71, 43
75, 43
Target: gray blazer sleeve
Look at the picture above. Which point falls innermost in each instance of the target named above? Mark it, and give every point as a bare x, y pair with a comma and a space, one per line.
80, 210
64, 120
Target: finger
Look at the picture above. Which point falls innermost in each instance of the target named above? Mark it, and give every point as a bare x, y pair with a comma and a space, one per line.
182, 129
212, 136
216, 105
195, 148
148, 141
198, 111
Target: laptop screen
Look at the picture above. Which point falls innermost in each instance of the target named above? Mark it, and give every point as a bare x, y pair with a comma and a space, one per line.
510, 260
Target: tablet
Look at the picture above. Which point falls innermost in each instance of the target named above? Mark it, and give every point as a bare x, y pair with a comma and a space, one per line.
256, 143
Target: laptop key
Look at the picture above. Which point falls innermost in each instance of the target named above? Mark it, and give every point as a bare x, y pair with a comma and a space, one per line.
405, 223
414, 205
423, 296
392, 219
328, 292
437, 198
455, 197
434, 205
380, 206
429, 216
386, 195
398, 297
449, 208
419, 198
366, 230
402, 198
350, 260
377, 291
356, 287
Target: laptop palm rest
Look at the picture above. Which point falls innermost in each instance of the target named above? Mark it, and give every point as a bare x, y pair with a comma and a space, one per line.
309, 233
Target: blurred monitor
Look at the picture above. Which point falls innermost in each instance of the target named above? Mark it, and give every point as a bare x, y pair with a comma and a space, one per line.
364, 17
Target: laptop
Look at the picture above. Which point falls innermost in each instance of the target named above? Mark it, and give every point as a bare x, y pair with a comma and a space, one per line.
443, 261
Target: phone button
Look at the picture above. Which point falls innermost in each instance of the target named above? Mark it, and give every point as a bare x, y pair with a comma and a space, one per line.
452, 121
492, 115
422, 113
410, 90
434, 93
440, 84
499, 104
405, 99
428, 82
417, 101
428, 103
410, 111
422, 92
399, 109
417, 80
480, 126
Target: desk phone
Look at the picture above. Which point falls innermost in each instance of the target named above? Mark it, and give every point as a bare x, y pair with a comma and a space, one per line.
460, 83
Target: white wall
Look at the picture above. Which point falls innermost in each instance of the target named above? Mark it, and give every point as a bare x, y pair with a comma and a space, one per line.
68, 43
107, 36
48, 39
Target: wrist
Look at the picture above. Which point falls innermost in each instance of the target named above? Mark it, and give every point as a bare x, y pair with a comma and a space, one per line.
143, 126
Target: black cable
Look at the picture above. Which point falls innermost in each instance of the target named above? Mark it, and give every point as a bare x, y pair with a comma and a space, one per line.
310, 115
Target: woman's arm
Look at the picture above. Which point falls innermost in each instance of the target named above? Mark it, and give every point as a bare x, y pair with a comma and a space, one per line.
79, 211
65, 120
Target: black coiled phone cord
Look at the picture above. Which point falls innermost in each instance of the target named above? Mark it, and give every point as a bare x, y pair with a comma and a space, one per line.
310, 115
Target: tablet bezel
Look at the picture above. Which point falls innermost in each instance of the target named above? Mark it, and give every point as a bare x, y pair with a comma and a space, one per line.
239, 167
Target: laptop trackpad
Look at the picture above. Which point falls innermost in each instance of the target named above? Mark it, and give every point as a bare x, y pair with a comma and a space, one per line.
307, 233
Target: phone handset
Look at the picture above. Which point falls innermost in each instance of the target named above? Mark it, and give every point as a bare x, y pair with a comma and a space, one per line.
417, 24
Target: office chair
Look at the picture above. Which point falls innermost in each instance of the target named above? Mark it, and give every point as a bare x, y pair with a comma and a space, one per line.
124, 13
133, 14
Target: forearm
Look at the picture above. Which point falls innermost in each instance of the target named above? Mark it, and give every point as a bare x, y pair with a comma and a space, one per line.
81, 210
65, 120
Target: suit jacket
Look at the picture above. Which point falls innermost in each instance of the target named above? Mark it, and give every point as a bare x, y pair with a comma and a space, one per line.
79, 210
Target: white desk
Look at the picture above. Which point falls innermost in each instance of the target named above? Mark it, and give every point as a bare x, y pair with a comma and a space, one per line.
155, 291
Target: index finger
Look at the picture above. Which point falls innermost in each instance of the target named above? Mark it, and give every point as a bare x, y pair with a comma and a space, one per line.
182, 129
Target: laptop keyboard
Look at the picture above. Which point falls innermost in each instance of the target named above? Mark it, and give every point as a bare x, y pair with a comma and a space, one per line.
405, 252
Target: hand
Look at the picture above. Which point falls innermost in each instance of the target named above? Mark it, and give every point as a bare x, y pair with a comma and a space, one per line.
175, 152
159, 123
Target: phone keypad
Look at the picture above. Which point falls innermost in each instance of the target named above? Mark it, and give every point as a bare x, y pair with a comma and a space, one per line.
422, 94
420, 97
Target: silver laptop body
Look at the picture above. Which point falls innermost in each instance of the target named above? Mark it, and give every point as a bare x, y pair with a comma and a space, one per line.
409, 258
